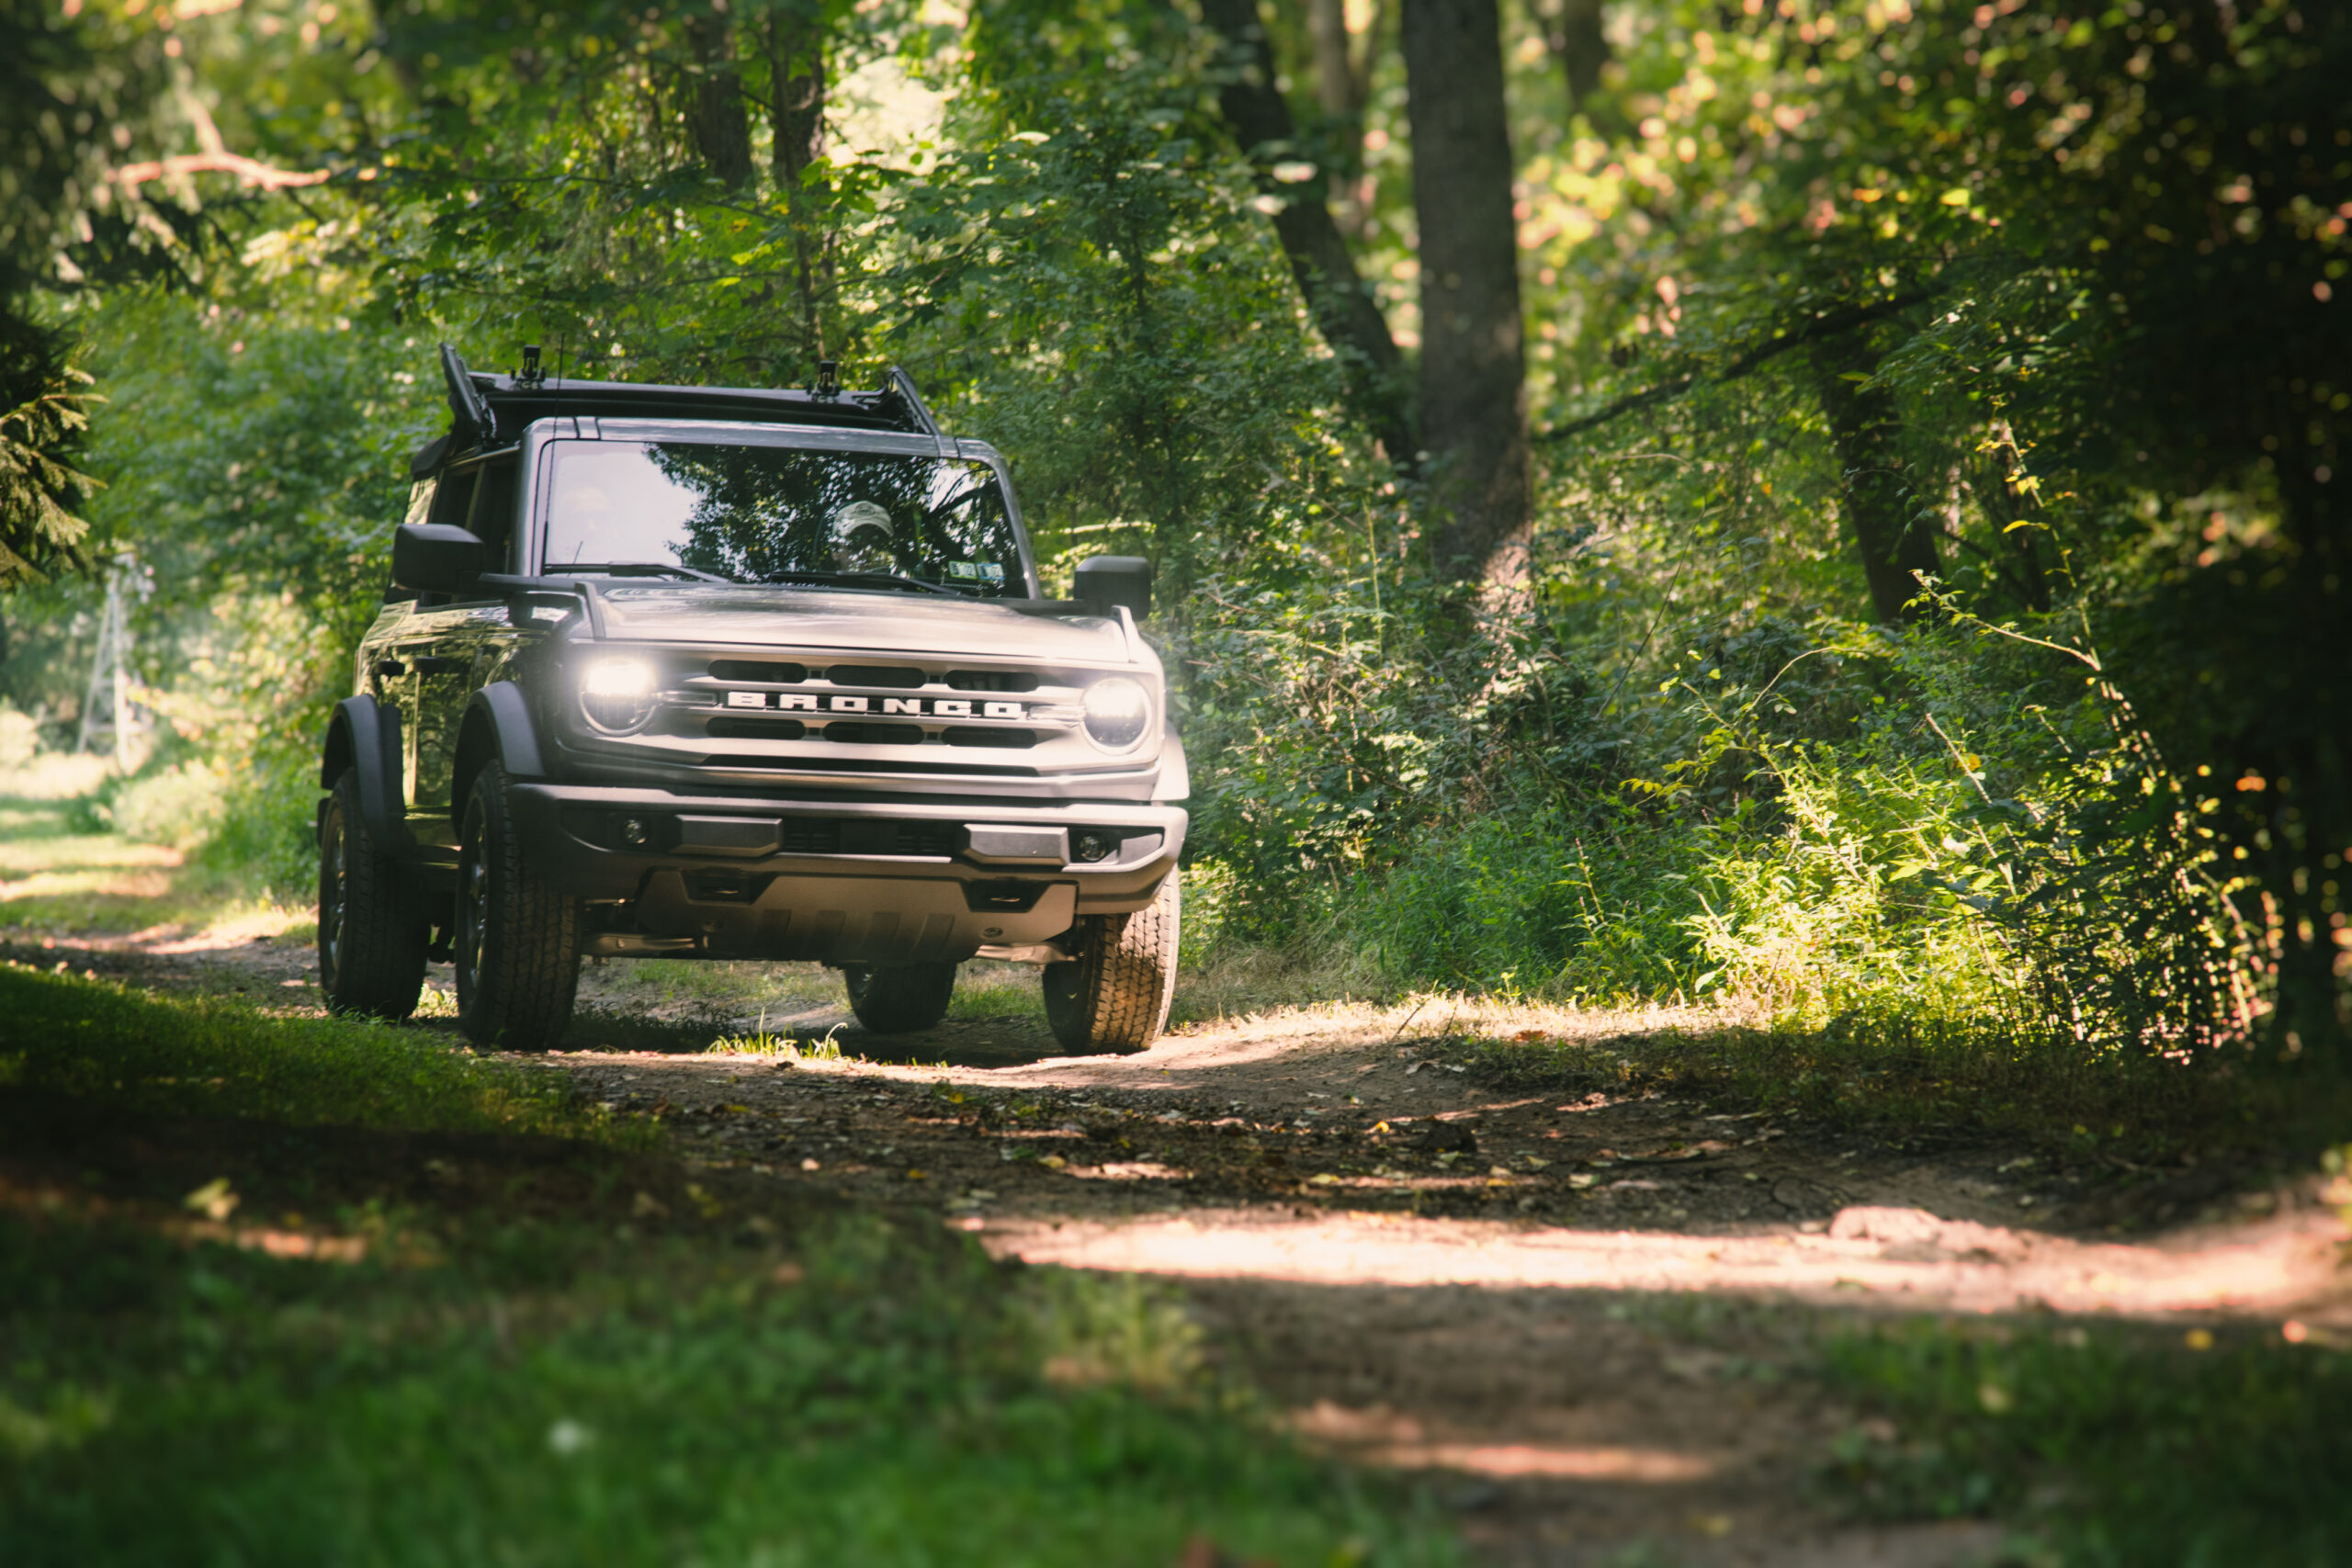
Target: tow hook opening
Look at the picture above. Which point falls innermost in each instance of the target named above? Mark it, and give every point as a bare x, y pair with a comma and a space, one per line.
1005, 896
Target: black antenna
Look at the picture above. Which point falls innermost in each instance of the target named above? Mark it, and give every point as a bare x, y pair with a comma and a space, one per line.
562, 340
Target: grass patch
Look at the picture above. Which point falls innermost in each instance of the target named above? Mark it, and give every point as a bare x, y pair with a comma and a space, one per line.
990, 990
206, 1055
552, 1396
2115, 1444
263, 1334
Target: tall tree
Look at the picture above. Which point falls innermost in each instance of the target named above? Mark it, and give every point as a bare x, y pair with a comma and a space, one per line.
1343, 64
797, 86
1343, 307
1891, 539
1473, 381
715, 117
1573, 34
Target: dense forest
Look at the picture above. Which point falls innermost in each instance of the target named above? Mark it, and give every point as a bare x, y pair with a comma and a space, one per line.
1834, 505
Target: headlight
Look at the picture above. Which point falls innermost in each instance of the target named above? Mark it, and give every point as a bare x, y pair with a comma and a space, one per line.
1117, 712
616, 693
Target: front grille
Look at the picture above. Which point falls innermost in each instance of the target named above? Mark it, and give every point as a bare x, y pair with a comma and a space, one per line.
992, 680
758, 728
759, 670
973, 735
874, 734
884, 675
861, 836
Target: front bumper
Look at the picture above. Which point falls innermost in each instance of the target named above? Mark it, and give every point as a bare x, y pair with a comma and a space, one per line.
836, 881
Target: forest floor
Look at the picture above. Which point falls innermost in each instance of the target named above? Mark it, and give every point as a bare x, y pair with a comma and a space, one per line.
1580, 1321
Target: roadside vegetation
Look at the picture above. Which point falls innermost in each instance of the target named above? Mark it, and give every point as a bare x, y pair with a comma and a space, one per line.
441, 1310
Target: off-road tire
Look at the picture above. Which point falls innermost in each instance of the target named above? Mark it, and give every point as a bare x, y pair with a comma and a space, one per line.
372, 934
899, 998
517, 940
1115, 995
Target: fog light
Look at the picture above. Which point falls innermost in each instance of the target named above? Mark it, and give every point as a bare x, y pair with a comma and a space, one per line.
636, 832
1092, 844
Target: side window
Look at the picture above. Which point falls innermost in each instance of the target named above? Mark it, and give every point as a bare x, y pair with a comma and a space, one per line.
455, 496
493, 517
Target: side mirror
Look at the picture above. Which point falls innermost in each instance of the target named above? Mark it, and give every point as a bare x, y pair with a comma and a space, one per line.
434, 558
1105, 582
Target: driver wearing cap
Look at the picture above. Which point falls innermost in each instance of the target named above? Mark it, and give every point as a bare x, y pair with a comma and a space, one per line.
863, 540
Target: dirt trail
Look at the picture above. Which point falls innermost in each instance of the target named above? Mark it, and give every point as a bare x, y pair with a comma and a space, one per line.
1462, 1285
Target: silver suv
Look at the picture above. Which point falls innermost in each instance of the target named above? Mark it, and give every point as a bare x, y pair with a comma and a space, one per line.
703, 672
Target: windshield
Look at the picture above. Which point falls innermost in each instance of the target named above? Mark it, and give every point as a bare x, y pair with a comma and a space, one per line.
781, 514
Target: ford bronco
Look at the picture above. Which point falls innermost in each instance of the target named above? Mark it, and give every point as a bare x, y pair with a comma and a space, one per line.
710, 673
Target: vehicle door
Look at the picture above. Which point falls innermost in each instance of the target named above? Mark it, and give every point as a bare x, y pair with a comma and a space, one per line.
448, 644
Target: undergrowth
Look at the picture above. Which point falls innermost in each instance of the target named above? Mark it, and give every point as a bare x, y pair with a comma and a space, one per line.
2111, 1445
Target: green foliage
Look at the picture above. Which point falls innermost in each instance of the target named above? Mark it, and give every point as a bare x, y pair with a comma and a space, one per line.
2110, 1444
44, 410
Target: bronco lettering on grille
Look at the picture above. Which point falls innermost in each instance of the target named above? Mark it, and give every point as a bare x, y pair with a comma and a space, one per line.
933, 707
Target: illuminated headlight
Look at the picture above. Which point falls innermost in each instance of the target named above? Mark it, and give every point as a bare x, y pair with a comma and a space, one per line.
616, 693
1117, 712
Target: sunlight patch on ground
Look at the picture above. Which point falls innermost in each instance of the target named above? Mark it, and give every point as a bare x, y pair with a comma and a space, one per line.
1379, 1435
1932, 1264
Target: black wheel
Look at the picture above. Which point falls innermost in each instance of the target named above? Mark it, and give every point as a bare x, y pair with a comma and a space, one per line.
517, 946
1114, 996
900, 998
372, 935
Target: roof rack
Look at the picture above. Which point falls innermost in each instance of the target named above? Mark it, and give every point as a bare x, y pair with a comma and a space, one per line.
511, 402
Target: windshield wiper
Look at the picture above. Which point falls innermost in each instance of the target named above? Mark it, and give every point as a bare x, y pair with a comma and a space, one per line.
647, 568
884, 579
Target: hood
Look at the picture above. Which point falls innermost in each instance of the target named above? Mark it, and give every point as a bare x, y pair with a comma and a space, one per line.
826, 620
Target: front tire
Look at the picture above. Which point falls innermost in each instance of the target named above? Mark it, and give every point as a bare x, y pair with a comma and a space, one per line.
1115, 995
902, 997
372, 936
517, 946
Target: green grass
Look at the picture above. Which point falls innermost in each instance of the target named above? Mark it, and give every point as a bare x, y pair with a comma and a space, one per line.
2113, 1446
989, 991
98, 1040
548, 1398
508, 1375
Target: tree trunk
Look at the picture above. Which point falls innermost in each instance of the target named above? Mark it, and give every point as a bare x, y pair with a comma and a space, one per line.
1335, 66
1343, 307
715, 117
797, 129
1572, 32
1474, 396
1343, 64
1895, 547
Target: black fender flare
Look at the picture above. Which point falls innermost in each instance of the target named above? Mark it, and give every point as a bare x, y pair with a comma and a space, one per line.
497, 723
364, 736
